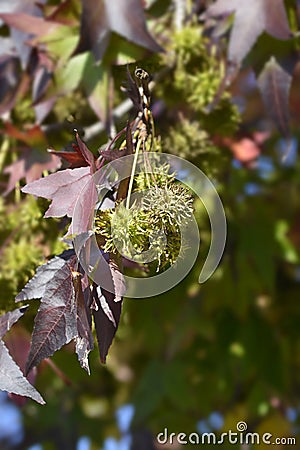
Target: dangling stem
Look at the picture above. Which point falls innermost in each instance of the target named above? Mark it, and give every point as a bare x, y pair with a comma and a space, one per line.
132, 173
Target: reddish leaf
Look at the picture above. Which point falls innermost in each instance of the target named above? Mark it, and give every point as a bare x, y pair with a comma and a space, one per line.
37, 286
11, 377
118, 281
81, 157
30, 166
245, 149
106, 315
115, 153
125, 17
250, 21
56, 321
84, 341
31, 6
274, 84
64, 313
29, 24
33, 137
34, 160
84, 215
41, 81
13, 85
86, 153
63, 188
42, 77
43, 108
21, 6
7, 320
74, 158
18, 344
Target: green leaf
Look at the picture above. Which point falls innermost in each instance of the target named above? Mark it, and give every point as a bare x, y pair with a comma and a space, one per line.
149, 392
68, 76
287, 248
62, 42
96, 83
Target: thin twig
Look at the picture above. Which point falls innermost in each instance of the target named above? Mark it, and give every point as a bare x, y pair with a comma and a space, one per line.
58, 372
97, 128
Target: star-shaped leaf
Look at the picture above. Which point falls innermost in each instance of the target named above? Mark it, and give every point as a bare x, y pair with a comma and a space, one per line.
251, 19
274, 83
84, 340
63, 188
63, 314
106, 313
12, 379
124, 17
56, 321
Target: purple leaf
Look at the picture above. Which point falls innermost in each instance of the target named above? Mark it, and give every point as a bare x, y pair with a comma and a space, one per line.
64, 313
68, 186
106, 315
41, 81
43, 108
118, 281
84, 341
94, 30
125, 17
56, 321
29, 24
63, 188
74, 158
80, 157
13, 85
8, 319
250, 21
84, 216
86, 153
11, 377
19, 37
31, 164
274, 84
37, 286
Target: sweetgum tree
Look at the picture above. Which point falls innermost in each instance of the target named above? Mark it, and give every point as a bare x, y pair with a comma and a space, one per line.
84, 83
